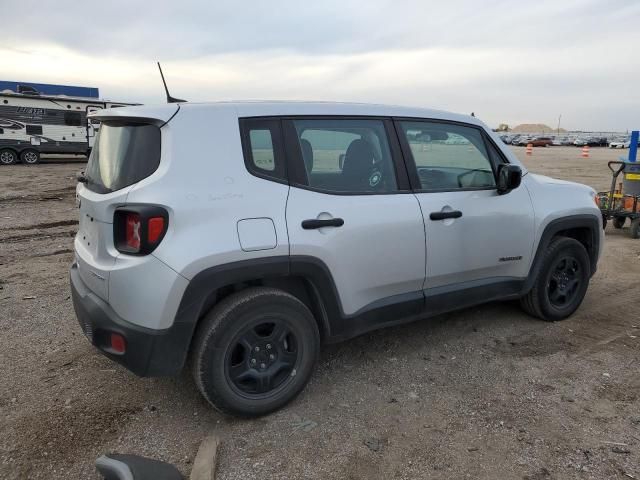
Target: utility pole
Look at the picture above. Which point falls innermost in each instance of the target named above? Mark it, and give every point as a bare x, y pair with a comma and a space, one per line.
559, 118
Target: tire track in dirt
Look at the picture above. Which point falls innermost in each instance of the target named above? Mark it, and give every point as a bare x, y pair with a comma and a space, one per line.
39, 236
59, 194
62, 434
62, 223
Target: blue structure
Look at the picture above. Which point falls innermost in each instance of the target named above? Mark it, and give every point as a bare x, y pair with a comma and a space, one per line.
633, 147
48, 89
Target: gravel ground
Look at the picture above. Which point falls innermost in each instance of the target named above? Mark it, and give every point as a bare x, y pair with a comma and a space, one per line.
483, 393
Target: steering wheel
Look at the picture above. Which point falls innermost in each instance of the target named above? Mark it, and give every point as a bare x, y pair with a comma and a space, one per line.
430, 179
473, 170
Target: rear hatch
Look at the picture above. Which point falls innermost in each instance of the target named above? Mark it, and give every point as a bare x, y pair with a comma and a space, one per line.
126, 151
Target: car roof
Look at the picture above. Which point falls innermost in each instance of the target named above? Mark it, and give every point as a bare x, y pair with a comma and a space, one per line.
262, 108
258, 108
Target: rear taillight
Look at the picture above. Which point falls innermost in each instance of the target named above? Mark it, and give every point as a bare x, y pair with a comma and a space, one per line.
132, 235
139, 229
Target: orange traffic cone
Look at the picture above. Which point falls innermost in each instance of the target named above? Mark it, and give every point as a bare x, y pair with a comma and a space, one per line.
529, 149
585, 151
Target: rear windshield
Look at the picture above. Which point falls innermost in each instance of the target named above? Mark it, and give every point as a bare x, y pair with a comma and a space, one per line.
123, 154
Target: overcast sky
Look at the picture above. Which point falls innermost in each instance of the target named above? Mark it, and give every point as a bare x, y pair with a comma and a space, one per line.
507, 61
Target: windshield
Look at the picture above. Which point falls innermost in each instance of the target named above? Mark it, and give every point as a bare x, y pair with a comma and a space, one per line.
123, 154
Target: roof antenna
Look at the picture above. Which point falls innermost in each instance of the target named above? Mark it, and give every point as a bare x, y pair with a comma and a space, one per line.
170, 99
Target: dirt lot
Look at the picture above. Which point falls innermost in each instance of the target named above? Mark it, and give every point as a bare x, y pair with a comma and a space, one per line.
483, 393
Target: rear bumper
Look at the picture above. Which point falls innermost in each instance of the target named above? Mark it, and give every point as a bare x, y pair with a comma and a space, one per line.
148, 352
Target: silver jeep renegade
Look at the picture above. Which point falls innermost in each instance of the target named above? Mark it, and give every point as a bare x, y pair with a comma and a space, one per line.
242, 236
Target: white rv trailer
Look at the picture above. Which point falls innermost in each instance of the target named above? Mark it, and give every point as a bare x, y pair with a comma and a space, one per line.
33, 124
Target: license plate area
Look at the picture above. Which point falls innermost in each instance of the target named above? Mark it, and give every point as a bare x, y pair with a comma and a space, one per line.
88, 233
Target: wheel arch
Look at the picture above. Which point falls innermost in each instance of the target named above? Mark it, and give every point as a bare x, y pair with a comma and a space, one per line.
18, 148
583, 228
306, 278
13, 149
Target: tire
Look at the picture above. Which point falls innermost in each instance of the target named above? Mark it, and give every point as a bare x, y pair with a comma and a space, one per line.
30, 156
618, 222
635, 228
565, 263
605, 220
8, 157
225, 347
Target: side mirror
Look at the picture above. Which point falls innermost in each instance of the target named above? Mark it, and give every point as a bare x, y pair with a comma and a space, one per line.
509, 177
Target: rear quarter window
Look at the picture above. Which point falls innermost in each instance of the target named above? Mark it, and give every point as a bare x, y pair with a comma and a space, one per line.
262, 152
123, 154
263, 149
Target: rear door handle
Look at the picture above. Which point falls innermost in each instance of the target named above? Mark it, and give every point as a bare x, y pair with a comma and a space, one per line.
445, 215
315, 223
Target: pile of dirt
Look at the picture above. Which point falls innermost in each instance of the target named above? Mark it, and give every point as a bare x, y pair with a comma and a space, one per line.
536, 128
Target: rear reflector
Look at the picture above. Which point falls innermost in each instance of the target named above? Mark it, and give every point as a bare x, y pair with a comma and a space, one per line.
155, 229
118, 344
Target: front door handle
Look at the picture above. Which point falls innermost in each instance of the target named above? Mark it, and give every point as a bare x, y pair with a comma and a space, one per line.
445, 215
315, 223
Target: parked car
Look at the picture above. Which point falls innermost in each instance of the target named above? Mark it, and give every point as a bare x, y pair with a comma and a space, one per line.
229, 238
591, 141
523, 140
541, 141
620, 143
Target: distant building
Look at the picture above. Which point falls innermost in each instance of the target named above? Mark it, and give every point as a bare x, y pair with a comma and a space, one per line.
49, 89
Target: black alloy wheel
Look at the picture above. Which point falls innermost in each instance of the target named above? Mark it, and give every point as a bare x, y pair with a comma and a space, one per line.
561, 281
255, 351
564, 282
262, 358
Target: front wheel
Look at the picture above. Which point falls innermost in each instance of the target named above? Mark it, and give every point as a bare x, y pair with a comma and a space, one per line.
255, 351
561, 283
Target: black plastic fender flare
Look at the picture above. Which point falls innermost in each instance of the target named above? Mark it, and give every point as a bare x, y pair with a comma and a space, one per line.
552, 229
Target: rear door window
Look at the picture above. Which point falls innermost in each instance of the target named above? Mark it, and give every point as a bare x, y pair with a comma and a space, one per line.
123, 154
343, 155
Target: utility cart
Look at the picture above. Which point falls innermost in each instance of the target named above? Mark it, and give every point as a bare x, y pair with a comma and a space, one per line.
618, 206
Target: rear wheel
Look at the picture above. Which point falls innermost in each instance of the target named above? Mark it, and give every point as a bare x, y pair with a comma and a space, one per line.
255, 351
562, 281
30, 156
635, 228
618, 222
8, 157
